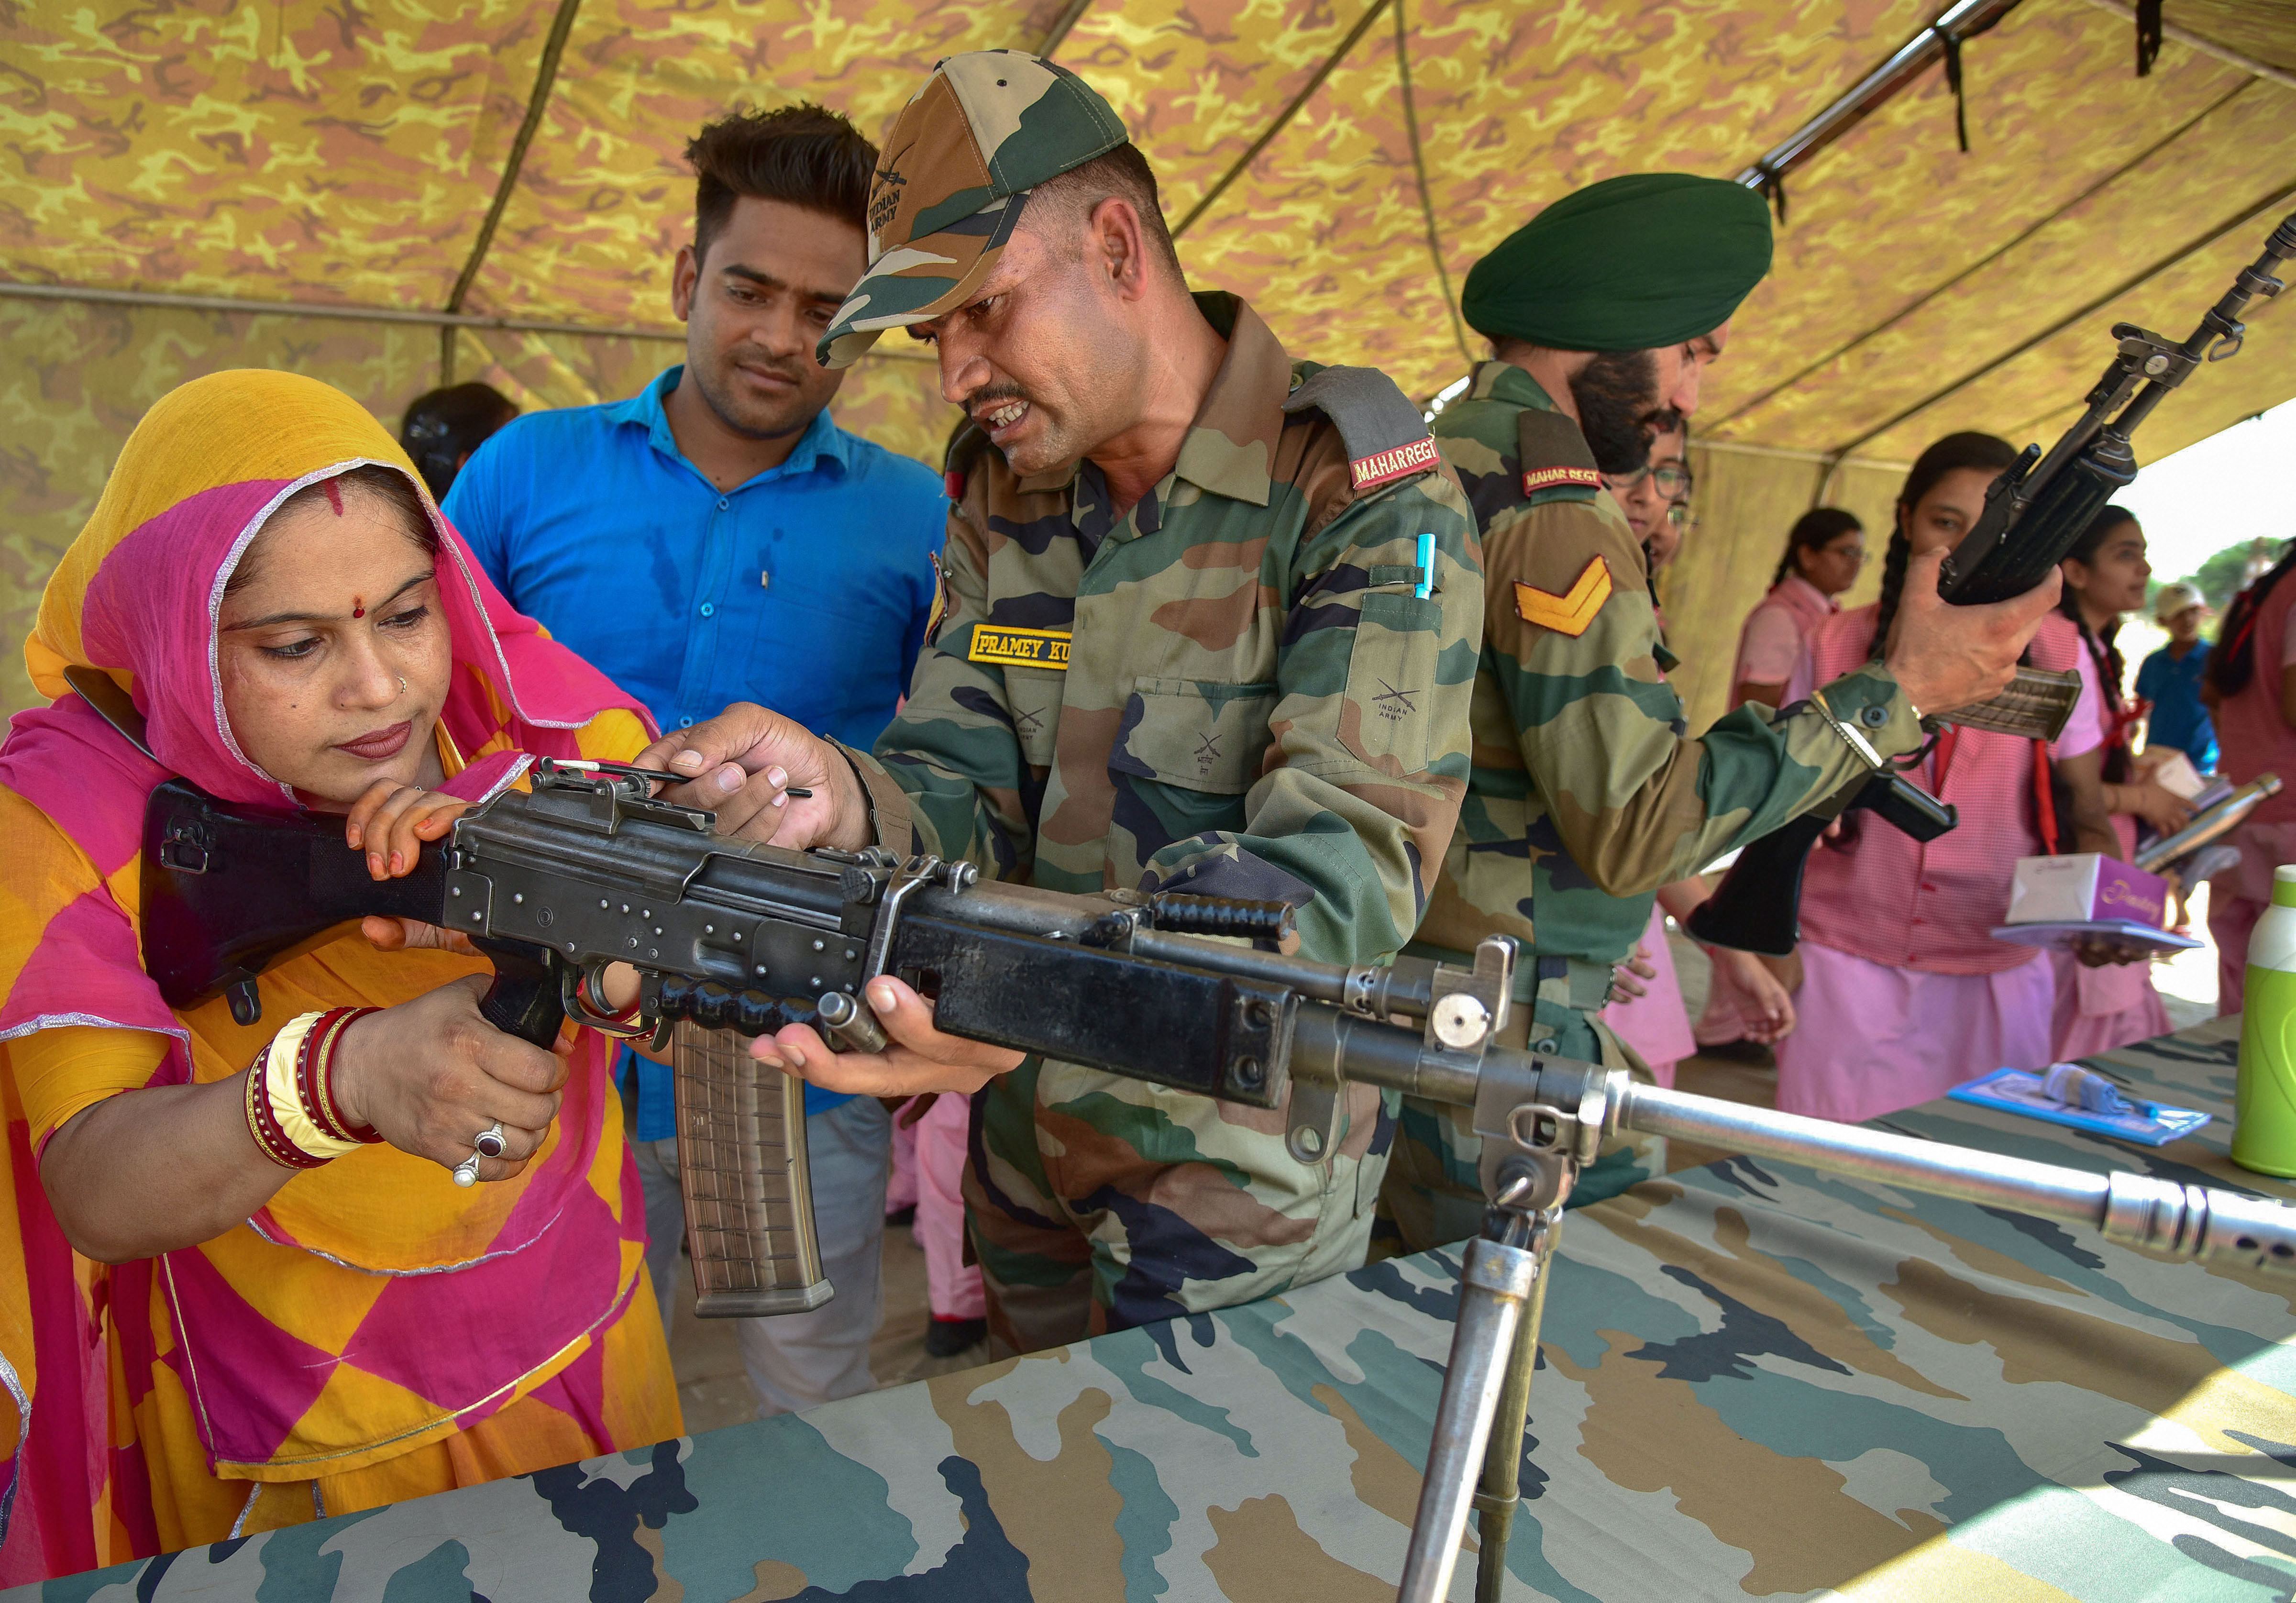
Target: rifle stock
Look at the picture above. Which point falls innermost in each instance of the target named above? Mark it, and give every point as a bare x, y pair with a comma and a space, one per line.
1757, 907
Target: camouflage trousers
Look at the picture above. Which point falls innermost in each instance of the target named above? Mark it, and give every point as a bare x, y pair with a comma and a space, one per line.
1434, 1193
1097, 1203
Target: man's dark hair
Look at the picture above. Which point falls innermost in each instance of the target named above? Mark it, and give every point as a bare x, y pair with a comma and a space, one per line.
1123, 173
802, 155
442, 427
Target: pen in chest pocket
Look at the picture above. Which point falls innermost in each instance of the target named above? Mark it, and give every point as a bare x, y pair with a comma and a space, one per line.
1426, 566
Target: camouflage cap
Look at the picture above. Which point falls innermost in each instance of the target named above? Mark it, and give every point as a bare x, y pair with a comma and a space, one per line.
987, 127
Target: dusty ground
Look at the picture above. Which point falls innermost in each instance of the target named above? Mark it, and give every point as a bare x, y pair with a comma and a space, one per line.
714, 1393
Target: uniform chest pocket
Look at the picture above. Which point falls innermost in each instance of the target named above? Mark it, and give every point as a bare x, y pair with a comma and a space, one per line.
1200, 735
1391, 681
1033, 696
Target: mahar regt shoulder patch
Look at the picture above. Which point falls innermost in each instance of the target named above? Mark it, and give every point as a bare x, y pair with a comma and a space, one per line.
1019, 647
1384, 467
1534, 479
1571, 613
1383, 434
1554, 453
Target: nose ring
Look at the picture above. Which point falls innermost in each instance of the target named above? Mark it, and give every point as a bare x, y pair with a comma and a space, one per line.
402, 684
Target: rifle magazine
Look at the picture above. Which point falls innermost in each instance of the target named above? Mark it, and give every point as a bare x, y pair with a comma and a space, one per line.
2035, 707
748, 1195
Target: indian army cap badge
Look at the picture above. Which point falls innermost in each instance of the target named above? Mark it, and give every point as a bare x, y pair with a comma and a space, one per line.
988, 126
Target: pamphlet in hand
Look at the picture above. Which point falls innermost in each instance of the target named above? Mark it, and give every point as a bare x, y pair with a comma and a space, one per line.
2080, 1098
2067, 934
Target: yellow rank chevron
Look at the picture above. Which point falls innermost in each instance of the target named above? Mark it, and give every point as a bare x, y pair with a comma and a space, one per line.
1570, 613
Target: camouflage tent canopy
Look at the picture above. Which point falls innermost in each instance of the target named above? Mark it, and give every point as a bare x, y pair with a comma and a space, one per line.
1339, 165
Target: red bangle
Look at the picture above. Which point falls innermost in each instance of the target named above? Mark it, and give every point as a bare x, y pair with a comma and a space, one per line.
315, 1076
264, 1125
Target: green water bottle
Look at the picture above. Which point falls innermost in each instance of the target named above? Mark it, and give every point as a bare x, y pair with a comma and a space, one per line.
2264, 1107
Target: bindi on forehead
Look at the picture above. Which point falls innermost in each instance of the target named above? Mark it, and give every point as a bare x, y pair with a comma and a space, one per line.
358, 608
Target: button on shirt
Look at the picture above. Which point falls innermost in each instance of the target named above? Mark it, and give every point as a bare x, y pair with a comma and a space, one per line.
808, 589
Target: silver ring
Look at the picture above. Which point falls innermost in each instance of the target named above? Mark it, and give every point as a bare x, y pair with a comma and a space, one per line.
466, 1173
490, 1141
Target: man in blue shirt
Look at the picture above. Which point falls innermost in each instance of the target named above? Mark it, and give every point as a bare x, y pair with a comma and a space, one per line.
717, 538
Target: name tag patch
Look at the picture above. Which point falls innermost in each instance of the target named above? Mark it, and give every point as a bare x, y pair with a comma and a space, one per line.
1535, 478
1021, 647
1382, 467
1571, 611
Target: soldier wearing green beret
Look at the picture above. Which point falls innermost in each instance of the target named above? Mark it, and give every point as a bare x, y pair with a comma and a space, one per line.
1211, 621
1588, 792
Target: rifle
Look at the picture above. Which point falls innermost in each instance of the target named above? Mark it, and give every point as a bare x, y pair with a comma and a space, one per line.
591, 868
2034, 513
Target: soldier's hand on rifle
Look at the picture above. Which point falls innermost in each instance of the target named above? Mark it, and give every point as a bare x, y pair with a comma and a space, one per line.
742, 764
919, 1059
432, 1074
1947, 656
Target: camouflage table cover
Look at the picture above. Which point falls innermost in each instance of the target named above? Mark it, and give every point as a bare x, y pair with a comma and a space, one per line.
1756, 1381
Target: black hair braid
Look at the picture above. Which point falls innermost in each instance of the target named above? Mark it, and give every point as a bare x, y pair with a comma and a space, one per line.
2105, 656
2103, 653
2233, 664
1893, 585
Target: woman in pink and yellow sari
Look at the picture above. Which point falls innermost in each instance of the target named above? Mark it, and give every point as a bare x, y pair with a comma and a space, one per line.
223, 1308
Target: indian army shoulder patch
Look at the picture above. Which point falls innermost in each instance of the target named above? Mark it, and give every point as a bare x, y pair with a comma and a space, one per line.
1019, 647
1571, 611
1383, 434
1555, 457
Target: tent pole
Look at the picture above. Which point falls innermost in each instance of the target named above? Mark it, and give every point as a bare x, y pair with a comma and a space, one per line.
1057, 34
545, 74
1985, 260
1426, 196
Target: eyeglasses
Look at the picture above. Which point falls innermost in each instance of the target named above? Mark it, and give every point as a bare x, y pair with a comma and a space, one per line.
1672, 479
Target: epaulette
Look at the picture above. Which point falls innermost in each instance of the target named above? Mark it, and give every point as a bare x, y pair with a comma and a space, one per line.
956, 462
1385, 437
1557, 463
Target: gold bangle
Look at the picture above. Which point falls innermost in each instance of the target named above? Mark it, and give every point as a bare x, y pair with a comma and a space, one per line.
286, 1096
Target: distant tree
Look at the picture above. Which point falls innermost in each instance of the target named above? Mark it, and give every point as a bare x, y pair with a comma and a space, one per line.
2226, 574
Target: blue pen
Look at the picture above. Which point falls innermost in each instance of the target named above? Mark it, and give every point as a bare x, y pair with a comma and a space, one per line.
1426, 566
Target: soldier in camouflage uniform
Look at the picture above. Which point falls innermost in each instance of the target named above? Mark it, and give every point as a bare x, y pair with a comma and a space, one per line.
1215, 664
1587, 793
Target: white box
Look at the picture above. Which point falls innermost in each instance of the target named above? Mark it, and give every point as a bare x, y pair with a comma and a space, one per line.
2085, 887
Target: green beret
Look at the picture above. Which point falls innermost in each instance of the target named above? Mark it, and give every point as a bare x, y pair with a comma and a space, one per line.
1632, 263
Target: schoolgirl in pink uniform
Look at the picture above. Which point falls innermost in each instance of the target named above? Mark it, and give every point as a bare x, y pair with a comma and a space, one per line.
2252, 685
2101, 1006
1825, 551
1905, 994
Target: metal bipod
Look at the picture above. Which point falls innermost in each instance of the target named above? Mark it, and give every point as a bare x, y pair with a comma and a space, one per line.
1487, 1381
